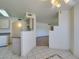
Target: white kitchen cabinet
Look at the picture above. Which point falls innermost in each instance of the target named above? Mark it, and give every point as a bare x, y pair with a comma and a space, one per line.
3, 40
16, 45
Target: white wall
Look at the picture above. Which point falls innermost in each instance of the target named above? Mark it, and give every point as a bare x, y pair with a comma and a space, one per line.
72, 30
76, 30
28, 42
59, 38
54, 21
42, 29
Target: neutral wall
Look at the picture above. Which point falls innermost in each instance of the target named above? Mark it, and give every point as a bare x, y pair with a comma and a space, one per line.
42, 29
54, 21
51, 20
76, 30
59, 38
72, 30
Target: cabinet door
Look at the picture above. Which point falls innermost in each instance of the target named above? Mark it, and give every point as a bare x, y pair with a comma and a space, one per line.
3, 40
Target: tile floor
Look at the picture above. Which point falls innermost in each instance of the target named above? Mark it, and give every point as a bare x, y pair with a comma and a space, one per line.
37, 53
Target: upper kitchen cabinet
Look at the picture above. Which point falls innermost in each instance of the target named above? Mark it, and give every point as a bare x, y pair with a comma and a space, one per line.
30, 20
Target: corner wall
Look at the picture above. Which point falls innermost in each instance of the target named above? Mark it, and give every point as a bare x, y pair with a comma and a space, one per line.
71, 30
76, 30
59, 38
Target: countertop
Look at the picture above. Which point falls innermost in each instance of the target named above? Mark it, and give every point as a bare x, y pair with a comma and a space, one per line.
4, 33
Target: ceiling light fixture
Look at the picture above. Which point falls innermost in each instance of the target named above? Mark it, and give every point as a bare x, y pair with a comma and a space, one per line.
4, 13
19, 24
66, 1
58, 3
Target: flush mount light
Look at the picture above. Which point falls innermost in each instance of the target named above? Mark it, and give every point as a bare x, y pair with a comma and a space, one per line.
19, 24
66, 1
58, 3
4, 13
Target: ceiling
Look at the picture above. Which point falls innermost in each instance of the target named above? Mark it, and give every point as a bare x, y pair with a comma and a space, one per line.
43, 9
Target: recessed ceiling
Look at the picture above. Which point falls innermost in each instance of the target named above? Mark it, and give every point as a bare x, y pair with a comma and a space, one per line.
18, 8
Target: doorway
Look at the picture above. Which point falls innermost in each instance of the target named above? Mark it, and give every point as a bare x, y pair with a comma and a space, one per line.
42, 37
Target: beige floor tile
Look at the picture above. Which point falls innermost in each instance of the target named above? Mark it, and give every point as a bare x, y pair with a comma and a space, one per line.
37, 53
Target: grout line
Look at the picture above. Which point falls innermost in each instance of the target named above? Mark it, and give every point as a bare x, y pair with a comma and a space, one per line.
54, 56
